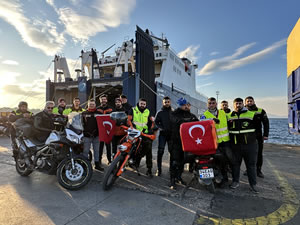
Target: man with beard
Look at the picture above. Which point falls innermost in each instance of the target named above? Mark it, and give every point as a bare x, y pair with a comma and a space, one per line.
224, 107
242, 124
140, 118
90, 132
75, 107
162, 121
261, 136
61, 107
104, 109
119, 133
181, 115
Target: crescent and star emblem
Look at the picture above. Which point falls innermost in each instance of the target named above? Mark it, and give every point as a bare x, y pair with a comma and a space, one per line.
109, 123
198, 140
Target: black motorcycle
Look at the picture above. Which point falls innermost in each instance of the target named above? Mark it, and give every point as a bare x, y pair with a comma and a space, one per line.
59, 155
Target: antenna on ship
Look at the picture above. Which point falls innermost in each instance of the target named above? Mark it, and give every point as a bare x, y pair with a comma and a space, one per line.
102, 53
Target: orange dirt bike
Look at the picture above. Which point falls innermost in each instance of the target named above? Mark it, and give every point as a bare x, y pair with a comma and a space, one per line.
127, 152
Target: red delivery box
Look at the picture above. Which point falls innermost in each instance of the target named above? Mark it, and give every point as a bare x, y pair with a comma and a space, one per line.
199, 138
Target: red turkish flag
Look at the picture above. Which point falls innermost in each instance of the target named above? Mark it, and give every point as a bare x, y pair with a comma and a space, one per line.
199, 138
106, 127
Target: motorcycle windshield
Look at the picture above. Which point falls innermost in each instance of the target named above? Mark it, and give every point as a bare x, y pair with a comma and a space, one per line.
75, 122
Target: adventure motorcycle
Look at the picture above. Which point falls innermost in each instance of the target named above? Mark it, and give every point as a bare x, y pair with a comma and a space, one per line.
59, 155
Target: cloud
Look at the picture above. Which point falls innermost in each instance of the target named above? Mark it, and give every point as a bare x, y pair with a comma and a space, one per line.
15, 89
40, 34
8, 77
275, 105
204, 85
214, 53
94, 18
190, 53
230, 62
10, 62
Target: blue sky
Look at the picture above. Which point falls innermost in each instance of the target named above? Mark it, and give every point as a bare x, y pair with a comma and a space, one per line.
240, 46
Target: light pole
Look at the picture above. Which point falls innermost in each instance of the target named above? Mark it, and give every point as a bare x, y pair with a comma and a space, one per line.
217, 93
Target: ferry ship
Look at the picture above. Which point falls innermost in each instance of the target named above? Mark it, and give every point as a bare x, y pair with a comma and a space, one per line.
145, 67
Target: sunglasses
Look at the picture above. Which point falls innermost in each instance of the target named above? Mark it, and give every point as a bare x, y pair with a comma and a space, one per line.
212, 103
50, 107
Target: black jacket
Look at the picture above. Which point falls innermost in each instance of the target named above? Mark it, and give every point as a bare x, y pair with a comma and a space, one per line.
104, 109
262, 120
178, 117
127, 107
90, 127
13, 116
240, 124
44, 124
162, 120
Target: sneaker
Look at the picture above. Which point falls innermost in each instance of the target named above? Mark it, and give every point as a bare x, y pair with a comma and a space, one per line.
234, 185
172, 184
260, 174
254, 189
149, 173
158, 173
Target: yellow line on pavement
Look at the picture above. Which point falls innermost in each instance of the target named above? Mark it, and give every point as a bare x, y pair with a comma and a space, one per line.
284, 213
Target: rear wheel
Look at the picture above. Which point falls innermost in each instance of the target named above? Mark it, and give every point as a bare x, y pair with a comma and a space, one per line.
76, 178
111, 173
21, 166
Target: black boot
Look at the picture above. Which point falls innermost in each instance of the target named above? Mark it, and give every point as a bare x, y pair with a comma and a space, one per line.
259, 173
98, 167
149, 173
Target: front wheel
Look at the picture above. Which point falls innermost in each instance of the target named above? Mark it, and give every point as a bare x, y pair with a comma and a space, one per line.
110, 175
76, 178
21, 166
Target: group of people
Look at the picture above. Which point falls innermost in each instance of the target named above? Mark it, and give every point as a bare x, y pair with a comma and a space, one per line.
239, 133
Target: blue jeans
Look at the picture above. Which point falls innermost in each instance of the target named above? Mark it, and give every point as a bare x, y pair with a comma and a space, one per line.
87, 142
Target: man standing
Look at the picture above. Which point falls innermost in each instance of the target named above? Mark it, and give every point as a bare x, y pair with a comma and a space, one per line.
181, 115
119, 133
162, 121
242, 124
104, 109
125, 104
61, 107
220, 119
75, 107
261, 136
140, 118
224, 107
90, 132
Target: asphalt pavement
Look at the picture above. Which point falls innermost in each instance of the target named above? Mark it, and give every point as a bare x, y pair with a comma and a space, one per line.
39, 199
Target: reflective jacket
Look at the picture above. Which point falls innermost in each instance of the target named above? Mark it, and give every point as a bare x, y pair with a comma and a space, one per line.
222, 130
242, 126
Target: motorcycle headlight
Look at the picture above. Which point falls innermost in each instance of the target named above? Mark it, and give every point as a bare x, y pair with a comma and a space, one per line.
74, 139
122, 148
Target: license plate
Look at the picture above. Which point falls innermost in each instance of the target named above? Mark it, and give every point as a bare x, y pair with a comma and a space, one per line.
206, 173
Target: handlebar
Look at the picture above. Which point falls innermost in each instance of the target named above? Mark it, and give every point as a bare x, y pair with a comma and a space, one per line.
150, 136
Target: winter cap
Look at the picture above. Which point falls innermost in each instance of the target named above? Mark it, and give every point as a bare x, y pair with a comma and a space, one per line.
181, 101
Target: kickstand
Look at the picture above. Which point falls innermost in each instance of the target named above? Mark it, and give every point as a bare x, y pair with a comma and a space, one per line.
187, 186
